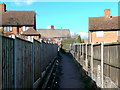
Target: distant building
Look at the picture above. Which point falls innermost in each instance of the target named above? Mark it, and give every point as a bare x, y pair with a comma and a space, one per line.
30, 34
16, 22
104, 29
54, 35
85, 40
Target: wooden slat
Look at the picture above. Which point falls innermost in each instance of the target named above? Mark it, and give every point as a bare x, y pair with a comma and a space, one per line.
7, 62
0, 62
16, 61
23, 63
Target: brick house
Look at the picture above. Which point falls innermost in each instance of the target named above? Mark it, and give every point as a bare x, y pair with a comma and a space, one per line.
54, 35
16, 22
104, 29
30, 34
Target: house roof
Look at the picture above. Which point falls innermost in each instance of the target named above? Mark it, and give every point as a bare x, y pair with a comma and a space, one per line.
102, 23
18, 18
53, 33
31, 32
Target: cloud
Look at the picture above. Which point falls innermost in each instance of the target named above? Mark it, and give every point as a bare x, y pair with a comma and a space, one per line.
83, 34
48, 27
17, 2
29, 2
26, 2
71, 33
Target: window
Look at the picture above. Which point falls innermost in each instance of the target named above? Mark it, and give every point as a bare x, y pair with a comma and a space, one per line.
30, 38
59, 39
118, 33
25, 28
7, 28
99, 34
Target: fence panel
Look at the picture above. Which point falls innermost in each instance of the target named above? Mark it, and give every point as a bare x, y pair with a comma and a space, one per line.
23, 64
106, 61
37, 60
119, 65
114, 62
111, 62
112, 58
7, 62
21, 61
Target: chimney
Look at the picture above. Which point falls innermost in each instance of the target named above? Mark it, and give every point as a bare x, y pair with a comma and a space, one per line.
52, 26
2, 7
107, 13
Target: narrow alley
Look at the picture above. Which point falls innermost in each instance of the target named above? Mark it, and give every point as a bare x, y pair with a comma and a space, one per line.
69, 75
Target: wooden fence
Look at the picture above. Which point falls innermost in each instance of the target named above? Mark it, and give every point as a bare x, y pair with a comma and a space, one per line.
101, 61
22, 62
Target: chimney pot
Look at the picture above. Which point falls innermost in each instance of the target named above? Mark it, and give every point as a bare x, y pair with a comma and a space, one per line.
107, 13
2, 7
52, 26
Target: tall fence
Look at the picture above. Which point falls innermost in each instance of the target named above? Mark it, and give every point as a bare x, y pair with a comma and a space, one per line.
101, 61
22, 62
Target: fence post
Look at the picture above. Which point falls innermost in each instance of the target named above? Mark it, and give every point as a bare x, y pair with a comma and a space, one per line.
0, 62
102, 64
92, 60
15, 86
86, 59
80, 50
32, 48
70, 47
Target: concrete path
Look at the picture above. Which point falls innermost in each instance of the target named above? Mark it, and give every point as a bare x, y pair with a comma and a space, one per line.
69, 75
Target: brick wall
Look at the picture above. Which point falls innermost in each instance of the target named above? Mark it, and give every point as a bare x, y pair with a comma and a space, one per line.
15, 31
109, 36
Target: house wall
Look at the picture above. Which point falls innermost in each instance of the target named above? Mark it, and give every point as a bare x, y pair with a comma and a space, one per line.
109, 36
36, 37
15, 31
1, 28
119, 38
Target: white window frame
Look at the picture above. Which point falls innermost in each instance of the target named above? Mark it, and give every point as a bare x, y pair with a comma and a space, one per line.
24, 28
99, 33
7, 28
118, 33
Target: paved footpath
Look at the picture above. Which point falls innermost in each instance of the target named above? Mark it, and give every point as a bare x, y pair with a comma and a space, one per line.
69, 75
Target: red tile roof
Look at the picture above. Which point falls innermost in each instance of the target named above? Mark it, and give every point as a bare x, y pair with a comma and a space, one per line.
31, 32
50, 33
102, 23
18, 18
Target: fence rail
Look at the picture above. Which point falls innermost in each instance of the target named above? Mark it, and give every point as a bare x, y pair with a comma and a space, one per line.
101, 61
22, 62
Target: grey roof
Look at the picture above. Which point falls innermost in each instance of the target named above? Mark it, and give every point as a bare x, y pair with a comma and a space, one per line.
18, 18
101, 23
50, 33
30, 31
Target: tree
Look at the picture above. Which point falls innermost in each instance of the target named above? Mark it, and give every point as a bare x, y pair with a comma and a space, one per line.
1, 32
78, 39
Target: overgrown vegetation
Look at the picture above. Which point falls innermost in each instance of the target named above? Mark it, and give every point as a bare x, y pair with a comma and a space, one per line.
1, 32
71, 40
79, 40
